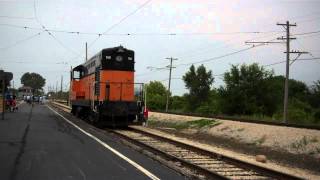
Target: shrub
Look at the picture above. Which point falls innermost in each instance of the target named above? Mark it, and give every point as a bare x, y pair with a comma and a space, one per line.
316, 116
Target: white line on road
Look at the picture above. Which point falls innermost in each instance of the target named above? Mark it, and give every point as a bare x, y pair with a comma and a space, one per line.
136, 165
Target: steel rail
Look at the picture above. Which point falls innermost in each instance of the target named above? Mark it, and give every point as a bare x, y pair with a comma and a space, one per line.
257, 171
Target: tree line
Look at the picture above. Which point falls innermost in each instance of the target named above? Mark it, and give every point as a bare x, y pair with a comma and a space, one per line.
248, 91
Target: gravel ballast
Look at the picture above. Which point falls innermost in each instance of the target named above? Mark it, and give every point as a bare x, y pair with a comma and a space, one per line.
291, 147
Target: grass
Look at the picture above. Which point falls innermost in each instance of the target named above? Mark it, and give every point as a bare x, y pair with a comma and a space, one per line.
314, 140
303, 142
225, 128
195, 124
308, 120
260, 140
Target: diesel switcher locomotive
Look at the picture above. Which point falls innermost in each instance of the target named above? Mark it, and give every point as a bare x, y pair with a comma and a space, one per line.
103, 89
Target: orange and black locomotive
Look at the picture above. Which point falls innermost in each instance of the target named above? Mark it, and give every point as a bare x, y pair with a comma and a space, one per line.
103, 89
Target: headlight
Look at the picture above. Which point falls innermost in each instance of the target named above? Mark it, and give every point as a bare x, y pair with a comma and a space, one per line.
119, 58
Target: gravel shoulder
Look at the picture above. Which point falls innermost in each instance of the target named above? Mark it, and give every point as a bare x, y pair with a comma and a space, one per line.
290, 149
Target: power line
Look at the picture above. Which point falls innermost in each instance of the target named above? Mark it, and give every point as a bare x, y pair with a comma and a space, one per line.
266, 65
45, 29
114, 25
281, 62
297, 17
10, 1
119, 22
306, 33
21, 41
32, 62
203, 61
206, 60
219, 57
17, 17
227, 45
140, 34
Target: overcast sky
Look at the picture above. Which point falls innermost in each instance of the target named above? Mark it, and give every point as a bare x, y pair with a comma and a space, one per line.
190, 30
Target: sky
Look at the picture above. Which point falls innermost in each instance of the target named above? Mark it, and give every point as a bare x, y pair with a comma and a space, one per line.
213, 32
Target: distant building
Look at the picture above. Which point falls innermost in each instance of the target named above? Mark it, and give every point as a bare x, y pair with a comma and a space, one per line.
24, 91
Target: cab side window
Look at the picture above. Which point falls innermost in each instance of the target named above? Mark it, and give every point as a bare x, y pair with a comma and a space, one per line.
76, 74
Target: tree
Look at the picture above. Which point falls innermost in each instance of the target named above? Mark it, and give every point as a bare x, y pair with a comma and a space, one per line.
297, 89
246, 91
199, 84
156, 95
33, 80
314, 97
178, 103
314, 100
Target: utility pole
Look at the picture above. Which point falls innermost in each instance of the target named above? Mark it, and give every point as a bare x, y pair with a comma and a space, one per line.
3, 95
61, 82
287, 26
170, 70
86, 51
56, 89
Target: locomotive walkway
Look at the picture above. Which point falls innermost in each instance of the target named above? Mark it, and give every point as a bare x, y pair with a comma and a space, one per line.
37, 143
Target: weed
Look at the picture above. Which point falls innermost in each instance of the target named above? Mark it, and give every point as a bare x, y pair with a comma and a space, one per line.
197, 124
225, 128
260, 140
240, 129
314, 140
303, 142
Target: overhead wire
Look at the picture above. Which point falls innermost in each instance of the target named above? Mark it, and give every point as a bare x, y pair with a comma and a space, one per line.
304, 59
278, 32
206, 60
306, 33
45, 29
21, 41
139, 34
32, 62
119, 22
17, 17
219, 57
113, 26
267, 65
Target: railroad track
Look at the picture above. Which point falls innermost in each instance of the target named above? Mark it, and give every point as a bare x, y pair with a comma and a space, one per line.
211, 165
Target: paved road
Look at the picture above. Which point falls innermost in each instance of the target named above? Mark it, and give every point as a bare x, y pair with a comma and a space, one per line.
36, 143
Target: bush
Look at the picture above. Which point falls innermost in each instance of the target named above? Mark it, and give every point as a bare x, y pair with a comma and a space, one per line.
316, 116
204, 109
298, 116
